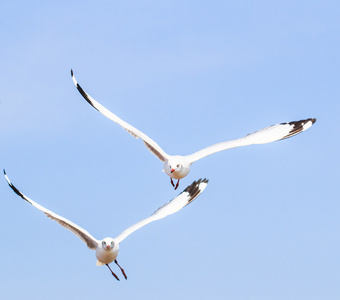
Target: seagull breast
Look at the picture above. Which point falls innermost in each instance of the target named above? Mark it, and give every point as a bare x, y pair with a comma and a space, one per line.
106, 254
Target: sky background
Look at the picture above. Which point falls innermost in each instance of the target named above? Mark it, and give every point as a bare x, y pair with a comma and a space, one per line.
189, 74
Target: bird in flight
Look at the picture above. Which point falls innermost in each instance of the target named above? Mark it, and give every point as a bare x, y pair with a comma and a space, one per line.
178, 166
107, 249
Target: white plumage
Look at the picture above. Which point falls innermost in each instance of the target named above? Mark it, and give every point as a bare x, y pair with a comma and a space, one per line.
107, 249
177, 166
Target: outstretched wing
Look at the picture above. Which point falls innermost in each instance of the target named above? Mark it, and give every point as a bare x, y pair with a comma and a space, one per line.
174, 205
87, 238
266, 135
149, 143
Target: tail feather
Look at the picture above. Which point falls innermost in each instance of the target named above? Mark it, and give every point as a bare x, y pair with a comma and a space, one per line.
99, 263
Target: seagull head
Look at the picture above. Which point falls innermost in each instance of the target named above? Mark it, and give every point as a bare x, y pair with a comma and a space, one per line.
108, 244
177, 167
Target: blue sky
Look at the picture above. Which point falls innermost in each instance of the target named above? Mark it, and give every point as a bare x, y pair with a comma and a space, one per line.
188, 74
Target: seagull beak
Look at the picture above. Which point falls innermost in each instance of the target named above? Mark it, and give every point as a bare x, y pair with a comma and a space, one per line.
172, 170
108, 246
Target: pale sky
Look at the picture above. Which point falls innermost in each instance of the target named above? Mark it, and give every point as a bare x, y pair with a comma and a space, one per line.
188, 74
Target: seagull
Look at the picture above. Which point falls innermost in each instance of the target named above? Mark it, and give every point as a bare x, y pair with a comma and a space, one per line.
178, 166
107, 249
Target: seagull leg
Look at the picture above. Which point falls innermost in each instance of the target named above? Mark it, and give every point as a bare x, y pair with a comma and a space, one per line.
177, 184
121, 269
172, 182
115, 276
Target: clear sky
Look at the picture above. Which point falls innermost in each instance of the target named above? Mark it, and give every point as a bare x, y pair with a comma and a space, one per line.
189, 74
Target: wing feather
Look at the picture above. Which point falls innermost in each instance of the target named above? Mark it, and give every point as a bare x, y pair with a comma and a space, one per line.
266, 135
151, 145
87, 238
171, 207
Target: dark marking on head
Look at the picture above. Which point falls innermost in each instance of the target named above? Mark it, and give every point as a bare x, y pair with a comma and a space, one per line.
297, 126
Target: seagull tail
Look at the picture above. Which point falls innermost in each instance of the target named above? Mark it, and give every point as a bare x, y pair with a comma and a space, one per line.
99, 263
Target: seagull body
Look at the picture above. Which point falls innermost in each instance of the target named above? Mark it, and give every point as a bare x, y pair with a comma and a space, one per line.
107, 249
177, 166
108, 252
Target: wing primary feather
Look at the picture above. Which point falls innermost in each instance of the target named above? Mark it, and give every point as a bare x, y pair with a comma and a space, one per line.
194, 189
81, 91
151, 145
87, 238
171, 207
15, 190
266, 135
190, 193
298, 126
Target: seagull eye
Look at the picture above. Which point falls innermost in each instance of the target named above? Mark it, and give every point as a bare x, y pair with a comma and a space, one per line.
103, 242
112, 243
177, 166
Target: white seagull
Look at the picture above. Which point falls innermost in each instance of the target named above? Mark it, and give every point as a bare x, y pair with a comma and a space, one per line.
107, 249
177, 166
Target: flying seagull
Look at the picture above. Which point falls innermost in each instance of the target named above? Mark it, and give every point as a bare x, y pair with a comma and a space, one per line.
177, 166
107, 249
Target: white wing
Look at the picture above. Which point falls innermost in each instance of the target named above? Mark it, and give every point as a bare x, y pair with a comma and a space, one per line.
174, 205
149, 143
266, 135
87, 238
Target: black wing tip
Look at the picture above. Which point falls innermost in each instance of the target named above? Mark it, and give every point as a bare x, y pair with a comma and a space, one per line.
15, 190
198, 182
82, 92
85, 95
298, 126
194, 189
301, 122
313, 120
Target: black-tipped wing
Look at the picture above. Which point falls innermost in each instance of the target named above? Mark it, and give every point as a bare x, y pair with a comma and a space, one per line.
174, 205
87, 238
150, 144
266, 135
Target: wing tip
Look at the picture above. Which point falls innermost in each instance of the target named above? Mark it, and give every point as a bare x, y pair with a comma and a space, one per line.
14, 189
196, 188
81, 91
299, 126
311, 121
7, 179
